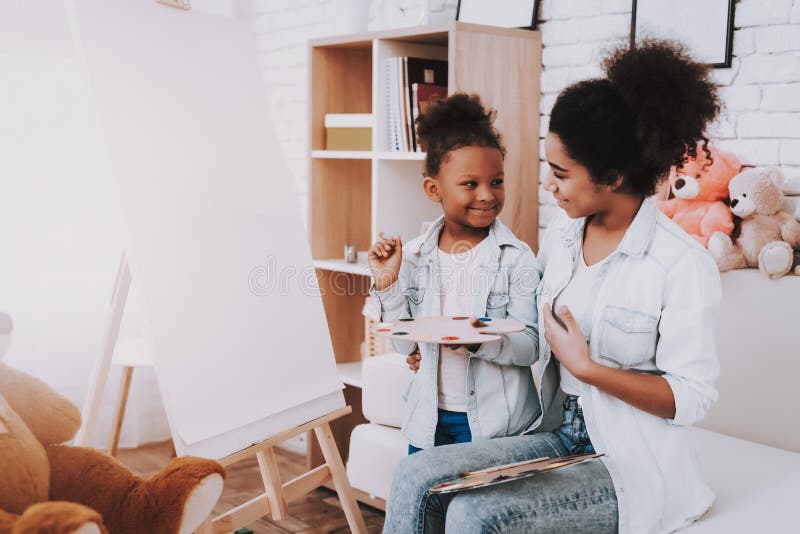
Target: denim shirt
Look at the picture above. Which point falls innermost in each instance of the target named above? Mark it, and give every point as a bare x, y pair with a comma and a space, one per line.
653, 303
501, 397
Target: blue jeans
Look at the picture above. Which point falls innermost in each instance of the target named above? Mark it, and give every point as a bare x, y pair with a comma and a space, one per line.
572, 432
452, 427
578, 498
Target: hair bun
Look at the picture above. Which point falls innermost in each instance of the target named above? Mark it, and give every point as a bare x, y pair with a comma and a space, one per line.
444, 114
454, 122
670, 95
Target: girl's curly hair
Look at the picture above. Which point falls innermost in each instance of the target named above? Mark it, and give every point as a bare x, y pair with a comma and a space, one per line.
647, 114
453, 123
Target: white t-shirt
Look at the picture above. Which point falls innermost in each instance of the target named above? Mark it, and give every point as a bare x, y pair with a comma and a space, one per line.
576, 297
458, 275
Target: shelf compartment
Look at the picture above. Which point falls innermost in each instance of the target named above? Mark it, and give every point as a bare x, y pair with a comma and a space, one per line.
331, 92
340, 192
395, 179
343, 296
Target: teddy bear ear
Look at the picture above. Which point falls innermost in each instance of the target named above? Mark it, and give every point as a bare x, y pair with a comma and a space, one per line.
767, 196
776, 176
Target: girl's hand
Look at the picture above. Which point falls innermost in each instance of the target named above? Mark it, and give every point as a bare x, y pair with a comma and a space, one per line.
413, 360
567, 342
385, 258
474, 322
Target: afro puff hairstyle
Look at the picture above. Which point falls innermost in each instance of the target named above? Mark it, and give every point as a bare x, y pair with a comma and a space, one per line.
453, 123
645, 116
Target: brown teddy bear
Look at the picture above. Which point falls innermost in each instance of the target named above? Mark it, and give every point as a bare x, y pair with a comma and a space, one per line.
50, 488
769, 237
700, 188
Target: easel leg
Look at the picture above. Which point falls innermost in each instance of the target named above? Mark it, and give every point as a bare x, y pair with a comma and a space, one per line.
119, 413
97, 384
340, 481
272, 483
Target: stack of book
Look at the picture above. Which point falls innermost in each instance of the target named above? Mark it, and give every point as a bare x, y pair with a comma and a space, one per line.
411, 85
348, 131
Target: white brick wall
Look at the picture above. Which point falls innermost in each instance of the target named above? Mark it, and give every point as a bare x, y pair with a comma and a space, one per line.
761, 92
762, 12
282, 29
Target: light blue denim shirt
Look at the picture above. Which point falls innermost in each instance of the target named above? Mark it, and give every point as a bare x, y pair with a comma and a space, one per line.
653, 304
501, 398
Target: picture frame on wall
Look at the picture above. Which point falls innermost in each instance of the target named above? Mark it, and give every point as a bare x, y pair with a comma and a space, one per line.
505, 14
706, 27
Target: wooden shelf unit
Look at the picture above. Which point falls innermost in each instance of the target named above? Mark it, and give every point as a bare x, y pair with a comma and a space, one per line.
354, 195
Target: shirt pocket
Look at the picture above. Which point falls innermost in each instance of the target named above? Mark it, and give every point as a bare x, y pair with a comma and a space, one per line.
497, 304
415, 295
628, 337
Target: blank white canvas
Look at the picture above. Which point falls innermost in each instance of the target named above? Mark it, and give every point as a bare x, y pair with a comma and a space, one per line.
506, 14
214, 234
701, 25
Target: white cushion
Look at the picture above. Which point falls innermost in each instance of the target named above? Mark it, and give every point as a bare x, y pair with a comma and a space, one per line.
385, 380
757, 486
375, 450
756, 334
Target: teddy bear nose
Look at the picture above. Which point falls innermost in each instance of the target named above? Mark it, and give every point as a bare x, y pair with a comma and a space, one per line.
734, 202
680, 182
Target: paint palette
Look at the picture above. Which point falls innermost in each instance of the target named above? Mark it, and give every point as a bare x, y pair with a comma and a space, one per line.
448, 330
506, 473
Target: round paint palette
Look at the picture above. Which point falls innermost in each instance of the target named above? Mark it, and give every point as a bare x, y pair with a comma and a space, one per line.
448, 330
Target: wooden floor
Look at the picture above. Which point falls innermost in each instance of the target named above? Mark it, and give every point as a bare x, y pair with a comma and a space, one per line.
318, 511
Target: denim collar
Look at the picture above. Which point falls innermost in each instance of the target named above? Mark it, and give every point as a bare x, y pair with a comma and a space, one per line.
636, 239
499, 236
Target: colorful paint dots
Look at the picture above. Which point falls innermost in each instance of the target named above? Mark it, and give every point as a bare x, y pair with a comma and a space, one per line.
399, 333
407, 319
384, 330
450, 338
460, 318
485, 319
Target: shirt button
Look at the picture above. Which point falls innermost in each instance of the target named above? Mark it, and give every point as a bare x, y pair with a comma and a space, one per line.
472, 392
474, 419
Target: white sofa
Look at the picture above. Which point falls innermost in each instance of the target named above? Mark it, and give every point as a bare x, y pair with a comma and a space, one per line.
749, 445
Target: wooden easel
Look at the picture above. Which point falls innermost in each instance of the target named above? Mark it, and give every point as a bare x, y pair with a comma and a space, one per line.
277, 495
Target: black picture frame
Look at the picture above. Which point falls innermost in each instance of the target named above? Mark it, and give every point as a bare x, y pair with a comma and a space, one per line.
726, 60
534, 16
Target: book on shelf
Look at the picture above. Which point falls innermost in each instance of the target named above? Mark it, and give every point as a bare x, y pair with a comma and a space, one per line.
348, 120
425, 71
401, 75
390, 103
348, 131
408, 126
423, 95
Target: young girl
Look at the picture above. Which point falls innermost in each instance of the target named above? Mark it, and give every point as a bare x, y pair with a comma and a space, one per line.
467, 264
631, 364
